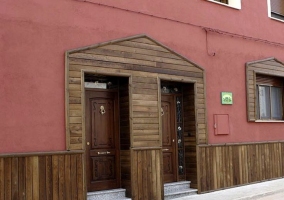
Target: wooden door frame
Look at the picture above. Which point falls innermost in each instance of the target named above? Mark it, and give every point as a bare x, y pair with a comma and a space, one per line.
179, 79
83, 106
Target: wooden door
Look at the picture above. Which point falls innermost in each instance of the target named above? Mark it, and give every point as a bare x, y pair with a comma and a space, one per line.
169, 138
102, 138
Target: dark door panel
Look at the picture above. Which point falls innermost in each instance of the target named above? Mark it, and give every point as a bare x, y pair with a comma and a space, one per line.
169, 138
102, 137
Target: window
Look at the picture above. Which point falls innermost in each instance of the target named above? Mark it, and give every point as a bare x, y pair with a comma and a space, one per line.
230, 3
269, 95
222, 1
265, 84
276, 9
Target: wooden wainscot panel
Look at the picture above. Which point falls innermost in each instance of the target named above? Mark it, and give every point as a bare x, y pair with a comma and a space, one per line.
223, 166
146, 180
42, 176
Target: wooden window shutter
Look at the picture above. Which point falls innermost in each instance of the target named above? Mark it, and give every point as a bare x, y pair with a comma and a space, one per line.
277, 7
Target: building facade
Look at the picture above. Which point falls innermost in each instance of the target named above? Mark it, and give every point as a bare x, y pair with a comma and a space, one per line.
100, 95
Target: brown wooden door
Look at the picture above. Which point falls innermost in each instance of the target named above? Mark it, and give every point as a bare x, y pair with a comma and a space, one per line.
169, 139
102, 138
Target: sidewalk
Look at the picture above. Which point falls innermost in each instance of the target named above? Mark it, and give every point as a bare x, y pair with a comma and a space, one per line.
274, 188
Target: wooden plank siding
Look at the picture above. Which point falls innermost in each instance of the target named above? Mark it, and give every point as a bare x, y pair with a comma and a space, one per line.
41, 176
270, 67
224, 166
145, 128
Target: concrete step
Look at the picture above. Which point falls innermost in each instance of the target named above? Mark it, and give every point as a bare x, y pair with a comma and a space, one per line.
178, 189
115, 194
176, 186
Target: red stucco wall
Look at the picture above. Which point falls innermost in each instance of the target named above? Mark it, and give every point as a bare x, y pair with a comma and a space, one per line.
35, 34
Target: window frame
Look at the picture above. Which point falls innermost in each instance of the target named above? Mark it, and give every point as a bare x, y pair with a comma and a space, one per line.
236, 4
270, 102
274, 15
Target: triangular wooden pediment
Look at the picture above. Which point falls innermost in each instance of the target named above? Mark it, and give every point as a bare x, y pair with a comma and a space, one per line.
135, 50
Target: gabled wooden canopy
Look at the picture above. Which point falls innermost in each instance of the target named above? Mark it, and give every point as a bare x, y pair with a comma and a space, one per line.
139, 57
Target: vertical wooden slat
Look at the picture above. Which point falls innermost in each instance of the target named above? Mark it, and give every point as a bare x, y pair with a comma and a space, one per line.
272, 160
268, 167
215, 170
15, 178
160, 188
55, 177
208, 174
280, 159
35, 170
211, 168
245, 164
222, 168
218, 161
48, 178
29, 180
258, 162
231, 165
73, 178
61, 188
144, 175
80, 177
8, 178
134, 172
203, 169
42, 177
154, 174
2, 178
149, 169
67, 168
139, 175
262, 160
22, 178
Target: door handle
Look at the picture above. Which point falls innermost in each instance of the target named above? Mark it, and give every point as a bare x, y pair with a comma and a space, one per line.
165, 149
88, 143
104, 152
162, 112
102, 110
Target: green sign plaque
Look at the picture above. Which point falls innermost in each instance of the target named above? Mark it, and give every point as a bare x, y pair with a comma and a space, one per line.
227, 98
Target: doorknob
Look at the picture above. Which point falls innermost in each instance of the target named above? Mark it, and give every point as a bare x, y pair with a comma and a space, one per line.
173, 140
88, 143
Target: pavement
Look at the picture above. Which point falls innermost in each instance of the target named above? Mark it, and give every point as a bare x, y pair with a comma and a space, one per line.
268, 190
